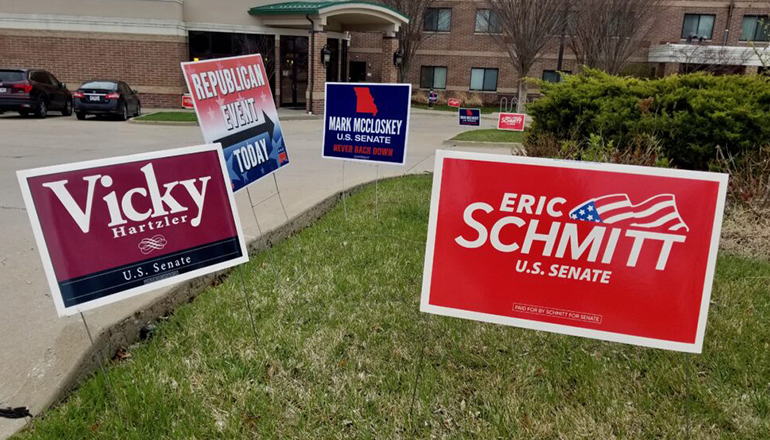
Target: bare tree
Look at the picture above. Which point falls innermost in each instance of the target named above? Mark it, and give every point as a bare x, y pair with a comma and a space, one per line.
762, 50
606, 34
261, 44
411, 35
526, 27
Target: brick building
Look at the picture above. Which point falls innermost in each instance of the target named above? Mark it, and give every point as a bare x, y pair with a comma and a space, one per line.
143, 41
460, 55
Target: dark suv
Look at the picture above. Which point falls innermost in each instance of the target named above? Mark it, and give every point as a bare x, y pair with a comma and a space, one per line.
33, 91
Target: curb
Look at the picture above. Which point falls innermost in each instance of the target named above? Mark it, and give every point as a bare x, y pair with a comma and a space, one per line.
420, 111
516, 148
195, 124
167, 123
127, 331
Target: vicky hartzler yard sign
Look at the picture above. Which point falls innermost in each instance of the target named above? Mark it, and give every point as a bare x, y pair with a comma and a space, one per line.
114, 228
235, 108
604, 251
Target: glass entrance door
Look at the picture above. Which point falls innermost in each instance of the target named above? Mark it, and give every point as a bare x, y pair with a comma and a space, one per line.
294, 71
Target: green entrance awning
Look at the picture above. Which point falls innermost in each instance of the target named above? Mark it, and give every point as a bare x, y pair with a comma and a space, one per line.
316, 8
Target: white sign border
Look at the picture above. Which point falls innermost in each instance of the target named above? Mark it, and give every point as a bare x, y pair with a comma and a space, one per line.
61, 310
367, 161
696, 347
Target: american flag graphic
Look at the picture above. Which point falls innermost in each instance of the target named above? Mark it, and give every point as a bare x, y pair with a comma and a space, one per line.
659, 212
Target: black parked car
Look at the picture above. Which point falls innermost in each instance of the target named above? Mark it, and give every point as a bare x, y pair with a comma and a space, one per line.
106, 97
33, 91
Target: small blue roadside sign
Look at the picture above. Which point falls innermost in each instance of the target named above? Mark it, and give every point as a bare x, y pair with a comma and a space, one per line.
470, 116
367, 122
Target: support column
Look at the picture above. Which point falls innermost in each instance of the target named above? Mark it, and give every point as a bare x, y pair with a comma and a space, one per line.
277, 73
316, 74
389, 71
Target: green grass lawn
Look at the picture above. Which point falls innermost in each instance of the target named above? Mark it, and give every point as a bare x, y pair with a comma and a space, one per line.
170, 117
338, 347
490, 135
486, 110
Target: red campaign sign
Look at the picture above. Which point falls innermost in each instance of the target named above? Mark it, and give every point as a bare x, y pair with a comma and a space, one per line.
511, 121
187, 101
603, 251
114, 228
454, 102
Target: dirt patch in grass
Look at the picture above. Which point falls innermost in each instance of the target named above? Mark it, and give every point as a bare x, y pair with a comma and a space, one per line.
746, 233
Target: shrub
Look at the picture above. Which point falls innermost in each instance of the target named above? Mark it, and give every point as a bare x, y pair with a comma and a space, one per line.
420, 97
749, 179
642, 150
689, 115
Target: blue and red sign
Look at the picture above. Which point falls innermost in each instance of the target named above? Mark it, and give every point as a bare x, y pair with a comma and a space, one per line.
367, 122
470, 116
235, 108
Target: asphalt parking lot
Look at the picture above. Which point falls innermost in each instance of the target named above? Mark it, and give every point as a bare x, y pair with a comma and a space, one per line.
38, 350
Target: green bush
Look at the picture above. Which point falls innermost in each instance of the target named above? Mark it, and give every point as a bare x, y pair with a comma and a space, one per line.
690, 115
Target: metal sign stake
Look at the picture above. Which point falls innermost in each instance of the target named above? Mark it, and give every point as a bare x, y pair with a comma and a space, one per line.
420, 365
248, 305
377, 193
344, 202
688, 414
259, 229
98, 357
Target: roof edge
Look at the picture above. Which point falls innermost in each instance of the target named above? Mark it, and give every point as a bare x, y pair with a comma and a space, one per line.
315, 7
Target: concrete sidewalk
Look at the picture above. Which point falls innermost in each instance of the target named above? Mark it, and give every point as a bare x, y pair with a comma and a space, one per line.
42, 355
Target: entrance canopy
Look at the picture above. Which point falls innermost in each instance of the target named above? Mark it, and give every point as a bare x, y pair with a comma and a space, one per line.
332, 15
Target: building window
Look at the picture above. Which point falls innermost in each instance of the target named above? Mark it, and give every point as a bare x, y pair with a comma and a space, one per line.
484, 79
755, 28
438, 20
433, 77
698, 26
553, 76
487, 22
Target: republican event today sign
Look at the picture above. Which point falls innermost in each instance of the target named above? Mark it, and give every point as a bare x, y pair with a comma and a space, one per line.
114, 228
367, 122
612, 252
235, 108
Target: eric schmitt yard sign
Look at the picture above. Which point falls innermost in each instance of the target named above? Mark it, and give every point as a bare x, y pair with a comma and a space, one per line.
603, 251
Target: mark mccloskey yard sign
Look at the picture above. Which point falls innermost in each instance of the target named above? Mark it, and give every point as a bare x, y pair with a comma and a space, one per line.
113, 228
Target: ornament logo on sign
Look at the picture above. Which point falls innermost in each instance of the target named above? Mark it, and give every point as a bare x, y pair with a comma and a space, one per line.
604, 251
156, 243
